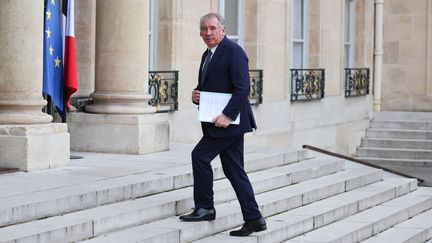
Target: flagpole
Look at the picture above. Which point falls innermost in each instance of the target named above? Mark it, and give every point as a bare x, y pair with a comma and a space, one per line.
63, 116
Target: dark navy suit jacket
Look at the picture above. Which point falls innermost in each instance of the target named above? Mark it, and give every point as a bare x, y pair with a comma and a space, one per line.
228, 72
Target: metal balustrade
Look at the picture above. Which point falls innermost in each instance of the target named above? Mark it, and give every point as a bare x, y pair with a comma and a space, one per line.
307, 84
163, 87
256, 86
356, 81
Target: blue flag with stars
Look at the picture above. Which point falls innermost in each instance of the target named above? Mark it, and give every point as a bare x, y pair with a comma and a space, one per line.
53, 55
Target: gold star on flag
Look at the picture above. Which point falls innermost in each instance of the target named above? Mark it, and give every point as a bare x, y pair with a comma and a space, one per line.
48, 13
51, 50
53, 2
48, 31
57, 62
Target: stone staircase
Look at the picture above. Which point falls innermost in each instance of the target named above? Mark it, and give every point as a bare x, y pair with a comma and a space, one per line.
305, 197
401, 141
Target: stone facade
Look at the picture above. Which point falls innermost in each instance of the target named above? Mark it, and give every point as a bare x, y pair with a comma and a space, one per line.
335, 122
112, 48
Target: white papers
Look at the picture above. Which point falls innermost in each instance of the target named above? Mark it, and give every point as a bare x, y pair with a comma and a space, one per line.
211, 105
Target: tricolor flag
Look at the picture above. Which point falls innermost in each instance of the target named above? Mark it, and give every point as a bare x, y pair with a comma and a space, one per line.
69, 63
52, 55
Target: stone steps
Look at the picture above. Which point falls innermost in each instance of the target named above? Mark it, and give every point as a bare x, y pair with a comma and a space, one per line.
416, 229
403, 116
105, 218
397, 143
402, 124
398, 162
401, 141
297, 193
370, 222
398, 134
25, 207
271, 203
397, 153
315, 215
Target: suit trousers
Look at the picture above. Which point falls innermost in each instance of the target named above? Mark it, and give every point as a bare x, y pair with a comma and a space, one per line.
230, 151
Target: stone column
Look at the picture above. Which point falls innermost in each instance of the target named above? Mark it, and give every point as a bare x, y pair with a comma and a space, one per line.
85, 33
120, 119
378, 53
28, 139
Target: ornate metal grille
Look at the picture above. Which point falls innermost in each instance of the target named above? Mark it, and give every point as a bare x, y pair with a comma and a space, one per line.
356, 81
307, 84
256, 86
163, 87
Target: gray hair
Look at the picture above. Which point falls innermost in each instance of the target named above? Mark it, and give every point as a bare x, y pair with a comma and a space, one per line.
219, 17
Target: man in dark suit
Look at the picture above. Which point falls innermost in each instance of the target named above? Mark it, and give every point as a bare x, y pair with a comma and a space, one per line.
224, 69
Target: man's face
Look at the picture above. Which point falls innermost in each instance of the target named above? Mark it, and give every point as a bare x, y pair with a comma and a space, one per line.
211, 32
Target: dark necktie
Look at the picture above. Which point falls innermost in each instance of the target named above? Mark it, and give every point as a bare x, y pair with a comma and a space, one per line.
205, 65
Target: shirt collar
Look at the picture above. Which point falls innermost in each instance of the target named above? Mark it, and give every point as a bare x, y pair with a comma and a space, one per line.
213, 49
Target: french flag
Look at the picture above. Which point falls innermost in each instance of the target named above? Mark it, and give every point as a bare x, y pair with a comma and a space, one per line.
69, 63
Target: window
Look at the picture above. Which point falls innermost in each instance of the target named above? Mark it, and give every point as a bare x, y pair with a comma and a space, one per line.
152, 35
299, 33
232, 10
349, 33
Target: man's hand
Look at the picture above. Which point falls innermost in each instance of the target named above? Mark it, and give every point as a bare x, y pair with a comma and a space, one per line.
222, 121
195, 96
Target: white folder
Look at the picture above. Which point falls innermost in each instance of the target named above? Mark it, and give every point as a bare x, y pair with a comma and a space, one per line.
211, 105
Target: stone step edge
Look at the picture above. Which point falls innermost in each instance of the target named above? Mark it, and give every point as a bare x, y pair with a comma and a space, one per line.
346, 208
398, 139
401, 121
88, 228
411, 233
269, 207
397, 130
92, 197
394, 149
402, 114
397, 161
376, 225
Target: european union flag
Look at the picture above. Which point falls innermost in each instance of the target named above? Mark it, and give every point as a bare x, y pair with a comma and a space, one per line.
52, 58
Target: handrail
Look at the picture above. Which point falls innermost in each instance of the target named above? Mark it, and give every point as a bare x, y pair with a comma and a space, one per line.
320, 150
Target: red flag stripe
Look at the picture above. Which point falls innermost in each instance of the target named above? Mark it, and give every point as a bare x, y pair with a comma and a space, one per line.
70, 75
69, 62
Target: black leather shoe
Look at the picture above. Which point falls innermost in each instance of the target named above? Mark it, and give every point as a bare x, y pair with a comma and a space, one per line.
200, 214
249, 227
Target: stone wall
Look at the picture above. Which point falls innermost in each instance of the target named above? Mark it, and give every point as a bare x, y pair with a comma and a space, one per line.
407, 63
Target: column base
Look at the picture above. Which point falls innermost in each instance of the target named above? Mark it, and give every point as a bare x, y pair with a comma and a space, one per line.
34, 147
125, 134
